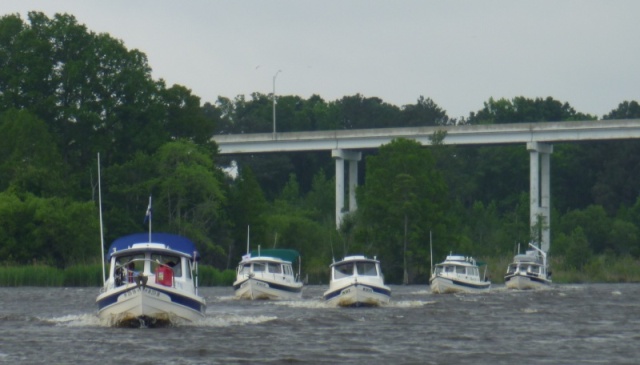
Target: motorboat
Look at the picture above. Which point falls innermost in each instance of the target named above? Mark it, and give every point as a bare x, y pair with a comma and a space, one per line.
268, 274
357, 281
528, 270
152, 282
459, 274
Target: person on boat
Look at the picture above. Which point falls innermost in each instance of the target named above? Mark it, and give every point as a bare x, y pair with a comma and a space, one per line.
131, 267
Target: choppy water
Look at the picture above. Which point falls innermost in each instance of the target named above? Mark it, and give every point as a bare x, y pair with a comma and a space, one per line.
572, 324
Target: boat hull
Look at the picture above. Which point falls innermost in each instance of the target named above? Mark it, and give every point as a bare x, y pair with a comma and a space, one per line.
150, 305
443, 285
253, 288
525, 282
358, 295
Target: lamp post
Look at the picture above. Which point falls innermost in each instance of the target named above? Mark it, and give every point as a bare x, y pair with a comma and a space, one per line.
274, 103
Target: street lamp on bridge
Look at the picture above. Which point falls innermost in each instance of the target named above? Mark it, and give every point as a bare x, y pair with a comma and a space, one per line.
274, 103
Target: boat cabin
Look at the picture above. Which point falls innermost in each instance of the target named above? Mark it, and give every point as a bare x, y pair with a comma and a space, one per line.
265, 266
357, 266
527, 264
141, 262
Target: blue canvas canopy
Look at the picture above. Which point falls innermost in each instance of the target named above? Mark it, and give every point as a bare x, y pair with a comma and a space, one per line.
173, 241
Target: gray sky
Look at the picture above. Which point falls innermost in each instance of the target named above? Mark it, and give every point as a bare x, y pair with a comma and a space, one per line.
458, 53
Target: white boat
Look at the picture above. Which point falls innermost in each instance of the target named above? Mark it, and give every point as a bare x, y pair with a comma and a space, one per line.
357, 281
152, 282
268, 274
528, 271
458, 274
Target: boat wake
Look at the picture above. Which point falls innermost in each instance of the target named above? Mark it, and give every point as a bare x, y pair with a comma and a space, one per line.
228, 320
409, 303
77, 320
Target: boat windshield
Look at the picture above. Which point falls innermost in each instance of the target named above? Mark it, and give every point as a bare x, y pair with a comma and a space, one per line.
366, 269
343, 270
172, 261
258, 267
245, 269
274, 268
512, 268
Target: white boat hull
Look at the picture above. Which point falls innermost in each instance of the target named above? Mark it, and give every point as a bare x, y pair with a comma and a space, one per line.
524, 282
154, 305
358, 294
443, 285
254, 288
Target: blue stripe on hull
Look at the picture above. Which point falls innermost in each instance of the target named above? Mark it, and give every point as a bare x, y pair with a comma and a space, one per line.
532, 278
375, 289
272, 286
175, 298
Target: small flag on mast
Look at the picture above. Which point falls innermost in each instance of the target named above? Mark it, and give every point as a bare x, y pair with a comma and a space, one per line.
147, 217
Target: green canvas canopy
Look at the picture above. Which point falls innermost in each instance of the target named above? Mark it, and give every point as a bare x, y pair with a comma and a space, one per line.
281, 253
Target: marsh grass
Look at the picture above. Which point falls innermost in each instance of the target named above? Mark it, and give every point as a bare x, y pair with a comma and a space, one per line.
88, 275
600, 269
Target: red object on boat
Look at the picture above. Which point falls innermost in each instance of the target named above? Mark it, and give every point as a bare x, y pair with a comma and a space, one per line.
164, 275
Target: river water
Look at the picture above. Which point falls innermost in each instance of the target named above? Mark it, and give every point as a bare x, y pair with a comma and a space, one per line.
568, 324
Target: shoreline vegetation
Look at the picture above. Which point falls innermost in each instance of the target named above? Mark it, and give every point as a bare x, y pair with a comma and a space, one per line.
88, 276
599, 269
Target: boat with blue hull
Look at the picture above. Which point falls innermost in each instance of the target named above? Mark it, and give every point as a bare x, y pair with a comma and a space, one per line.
357, 281
152, 281
268, 274
458, 274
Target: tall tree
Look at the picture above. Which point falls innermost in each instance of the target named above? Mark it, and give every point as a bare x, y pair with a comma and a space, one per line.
403, 198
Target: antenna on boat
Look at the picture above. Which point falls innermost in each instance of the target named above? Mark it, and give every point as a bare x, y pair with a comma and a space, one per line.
275, 240
333, 257
149, 217
101, 230
248, 229
431, 253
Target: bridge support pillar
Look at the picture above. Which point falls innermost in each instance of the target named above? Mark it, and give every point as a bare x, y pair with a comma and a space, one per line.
353, 158
539, 192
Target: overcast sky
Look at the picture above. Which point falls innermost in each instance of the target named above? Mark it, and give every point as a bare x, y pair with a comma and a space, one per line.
458, 53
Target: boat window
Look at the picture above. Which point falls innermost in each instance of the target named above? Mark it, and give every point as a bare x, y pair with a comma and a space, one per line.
174, 262
127, 268
343, 270
245, 269
460, 270
534, 269
449, 269
366, 269
258, 267
188, 269
511, 269
274, 268
473, 271
438, 270
288, 270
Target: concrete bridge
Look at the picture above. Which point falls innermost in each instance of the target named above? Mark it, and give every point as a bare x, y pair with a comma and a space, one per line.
345, 145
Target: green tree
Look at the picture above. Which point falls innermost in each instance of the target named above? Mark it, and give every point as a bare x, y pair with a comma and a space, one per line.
402, 189
29, 158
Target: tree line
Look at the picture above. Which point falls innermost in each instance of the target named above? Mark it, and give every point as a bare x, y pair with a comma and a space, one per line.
67, 94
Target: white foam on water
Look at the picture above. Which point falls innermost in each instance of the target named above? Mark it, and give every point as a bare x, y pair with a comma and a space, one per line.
409, 303
311, 304
529, 310
230, 320
77, 320
616, 292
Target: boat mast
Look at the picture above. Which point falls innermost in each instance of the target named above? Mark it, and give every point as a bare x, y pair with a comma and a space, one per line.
248, 229
101, 230
431, 253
